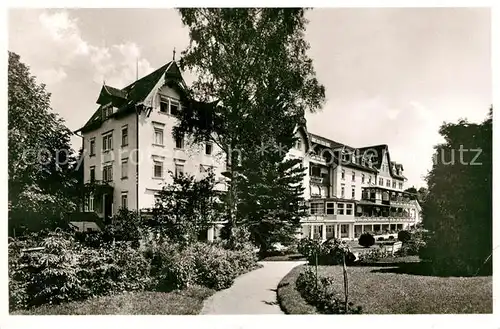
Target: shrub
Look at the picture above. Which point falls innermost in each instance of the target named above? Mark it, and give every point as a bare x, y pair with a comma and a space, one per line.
414, 245
381, 238
404, 236
322, 294
366, 240
49, 276
390, 237
373, 255
330, 252
214, 266
65, 271
308, 247
204, 264
172, 267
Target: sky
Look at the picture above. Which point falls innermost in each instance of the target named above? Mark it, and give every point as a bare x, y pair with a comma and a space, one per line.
392, 76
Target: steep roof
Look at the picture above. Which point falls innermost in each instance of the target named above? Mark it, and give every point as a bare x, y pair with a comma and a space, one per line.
125, 99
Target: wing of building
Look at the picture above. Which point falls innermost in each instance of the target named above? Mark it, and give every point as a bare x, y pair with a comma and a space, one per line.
128, 143
129, 147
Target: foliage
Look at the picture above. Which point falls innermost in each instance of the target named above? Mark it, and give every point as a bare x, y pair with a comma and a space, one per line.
373, 255
46, 276
252, 65
185, 207
126, 226
209, 265
322, 294
458, 208
43, 182
330, 252
65, 270
412, 246
366, 240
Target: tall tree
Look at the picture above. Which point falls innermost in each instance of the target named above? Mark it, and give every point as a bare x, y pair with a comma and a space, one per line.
252, 63
458, 207
41, 162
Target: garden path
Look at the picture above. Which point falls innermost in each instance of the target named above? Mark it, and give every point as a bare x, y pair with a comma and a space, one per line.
251, 293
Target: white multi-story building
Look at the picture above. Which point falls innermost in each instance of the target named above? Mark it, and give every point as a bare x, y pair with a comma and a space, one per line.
129, 145
352, 190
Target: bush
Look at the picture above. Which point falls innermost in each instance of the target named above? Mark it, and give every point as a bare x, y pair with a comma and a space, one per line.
366, 240
330, 252
214, 266
404, 236
321, 293
208, 265
390, 237
373, 255
414, 245
381, 238
65, 271
49, 276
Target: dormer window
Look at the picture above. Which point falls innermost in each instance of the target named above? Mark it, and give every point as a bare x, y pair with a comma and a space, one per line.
174, 107
107, 112
169, 106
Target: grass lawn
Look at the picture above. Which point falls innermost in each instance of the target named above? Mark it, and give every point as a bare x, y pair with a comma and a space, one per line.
385, 289
185, 302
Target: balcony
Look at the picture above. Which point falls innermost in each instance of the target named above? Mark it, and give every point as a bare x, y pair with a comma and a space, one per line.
318, 159
317, 180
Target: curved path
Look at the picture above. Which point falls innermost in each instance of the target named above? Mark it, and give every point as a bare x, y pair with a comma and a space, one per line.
252, 293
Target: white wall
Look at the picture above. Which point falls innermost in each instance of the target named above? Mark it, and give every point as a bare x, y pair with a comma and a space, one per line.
191, 156
114, 157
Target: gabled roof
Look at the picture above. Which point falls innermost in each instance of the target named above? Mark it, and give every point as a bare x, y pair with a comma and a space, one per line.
125, 99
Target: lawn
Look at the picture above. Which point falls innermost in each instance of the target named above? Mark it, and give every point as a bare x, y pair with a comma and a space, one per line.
387, 289
185, 302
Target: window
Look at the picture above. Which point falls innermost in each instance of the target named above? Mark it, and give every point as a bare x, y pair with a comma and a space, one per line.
107, 142
353, 176
362, 178
125, 200
164, 106
92, 173
393, 184
298, 144
343, 174
107, 111
340, 208
158, 169
208, 148
179, 170
381, 181
91, 203
388, 183
330, 208
369, 179
179, 142
400, 186
342, 191
92, 146
353, 192
348, 210
124, 168
107, 173
125, 135
316, 208
174, 108
158, 136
